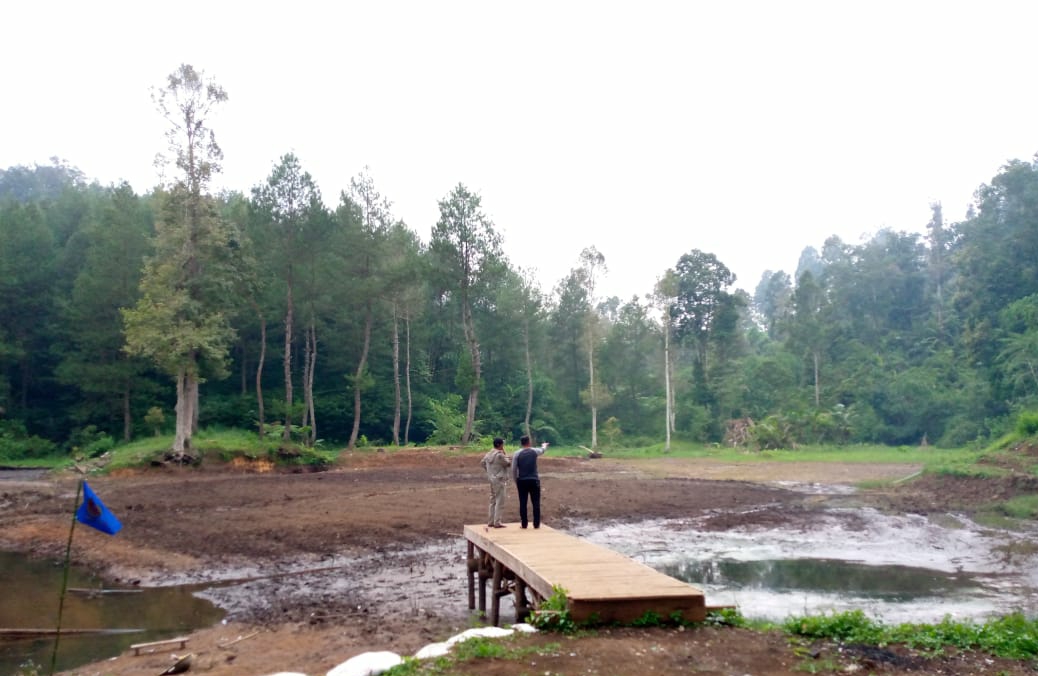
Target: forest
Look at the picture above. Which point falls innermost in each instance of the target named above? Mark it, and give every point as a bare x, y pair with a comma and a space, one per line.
332, 322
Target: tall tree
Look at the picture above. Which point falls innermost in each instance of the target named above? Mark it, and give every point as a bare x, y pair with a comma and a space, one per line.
939, 240
772, 298
807, 330
179, 321
109, 280
27, 259
290, 204
703, 283
665, 296
368, 257
592, 265
466, 249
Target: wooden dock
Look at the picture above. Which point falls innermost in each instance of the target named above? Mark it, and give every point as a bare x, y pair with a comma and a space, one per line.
598, 582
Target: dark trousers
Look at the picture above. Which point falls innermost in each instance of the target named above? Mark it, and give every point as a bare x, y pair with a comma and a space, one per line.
531, 488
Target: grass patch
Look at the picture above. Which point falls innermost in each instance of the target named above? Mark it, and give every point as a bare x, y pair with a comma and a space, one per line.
47, 462
470, 651
1013, 636
1020, 507
929, 457
222, 445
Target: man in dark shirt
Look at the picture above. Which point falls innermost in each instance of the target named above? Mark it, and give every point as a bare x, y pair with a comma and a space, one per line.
527, 481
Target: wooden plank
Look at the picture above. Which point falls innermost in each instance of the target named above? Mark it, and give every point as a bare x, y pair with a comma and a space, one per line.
597, 580
138, 647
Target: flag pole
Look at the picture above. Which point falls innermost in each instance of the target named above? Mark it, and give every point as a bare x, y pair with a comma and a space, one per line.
64, 578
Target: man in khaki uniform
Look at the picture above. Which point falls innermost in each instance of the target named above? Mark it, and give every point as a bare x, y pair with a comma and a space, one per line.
496, 463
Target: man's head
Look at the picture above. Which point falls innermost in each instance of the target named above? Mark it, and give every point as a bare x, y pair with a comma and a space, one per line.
524, 440
499, 443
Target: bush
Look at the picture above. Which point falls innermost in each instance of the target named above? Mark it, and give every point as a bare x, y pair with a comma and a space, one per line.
1027, 423
17, 444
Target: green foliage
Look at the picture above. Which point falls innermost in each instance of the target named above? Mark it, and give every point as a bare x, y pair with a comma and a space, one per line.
553, 613
611, 431
446, 419
851, 626
1021, 507
1013, 636
894, 340
1027, 424
89, 442
649, 618
155, 419
726, 617
17, 444
468, 651
774, 432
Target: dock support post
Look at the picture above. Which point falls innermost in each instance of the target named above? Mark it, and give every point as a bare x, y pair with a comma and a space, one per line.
470, 564
522, 608
495, 587
483, 584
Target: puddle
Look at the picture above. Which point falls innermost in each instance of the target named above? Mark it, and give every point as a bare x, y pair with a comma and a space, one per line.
150, 614
894, 568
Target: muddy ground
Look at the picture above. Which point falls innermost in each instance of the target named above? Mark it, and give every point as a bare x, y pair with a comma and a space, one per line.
362, 522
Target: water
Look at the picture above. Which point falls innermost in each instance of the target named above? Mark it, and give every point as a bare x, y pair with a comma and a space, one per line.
894, 568
153, 614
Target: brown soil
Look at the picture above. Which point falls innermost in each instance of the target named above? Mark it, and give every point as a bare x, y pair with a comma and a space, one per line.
209, 523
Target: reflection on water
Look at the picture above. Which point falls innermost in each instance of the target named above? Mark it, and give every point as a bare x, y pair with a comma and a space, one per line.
30, 598
891, 583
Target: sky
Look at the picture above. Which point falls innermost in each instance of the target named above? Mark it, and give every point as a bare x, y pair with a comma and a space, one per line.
746, 129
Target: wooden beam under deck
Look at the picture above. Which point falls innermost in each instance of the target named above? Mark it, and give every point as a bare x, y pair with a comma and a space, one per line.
598, 581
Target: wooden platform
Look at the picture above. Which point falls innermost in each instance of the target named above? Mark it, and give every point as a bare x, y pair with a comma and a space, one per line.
598, 581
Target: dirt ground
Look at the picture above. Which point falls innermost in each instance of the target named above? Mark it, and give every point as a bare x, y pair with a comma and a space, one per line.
212, 523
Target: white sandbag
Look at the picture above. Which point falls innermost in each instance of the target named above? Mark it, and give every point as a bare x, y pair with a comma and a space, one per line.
525, 628
433, 650
482, 632
367, 664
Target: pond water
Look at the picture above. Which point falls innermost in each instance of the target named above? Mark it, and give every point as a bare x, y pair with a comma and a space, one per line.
135, 616
894, 568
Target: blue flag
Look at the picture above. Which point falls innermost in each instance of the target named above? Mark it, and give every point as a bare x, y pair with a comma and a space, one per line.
94, 513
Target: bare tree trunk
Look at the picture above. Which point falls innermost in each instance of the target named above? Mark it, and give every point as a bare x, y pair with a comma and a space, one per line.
666, 380
407, 376
306, 374
818, 387
591, 386
308, 382
477, 371
244, 369
287, 433
187, 398
195, 408
529, 376
396, 378
357, 381
259, 379
127, 414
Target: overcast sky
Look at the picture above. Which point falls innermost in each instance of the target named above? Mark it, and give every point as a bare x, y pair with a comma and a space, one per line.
646, 129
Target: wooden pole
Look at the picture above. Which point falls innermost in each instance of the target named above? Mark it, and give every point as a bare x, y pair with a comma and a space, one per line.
64, 578
483, 585
470, 564
495, 603
521, 607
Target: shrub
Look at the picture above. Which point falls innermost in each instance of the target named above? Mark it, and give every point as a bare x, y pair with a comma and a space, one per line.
1027, 423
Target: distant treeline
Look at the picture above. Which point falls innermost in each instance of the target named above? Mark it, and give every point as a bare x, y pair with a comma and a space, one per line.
338, 325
